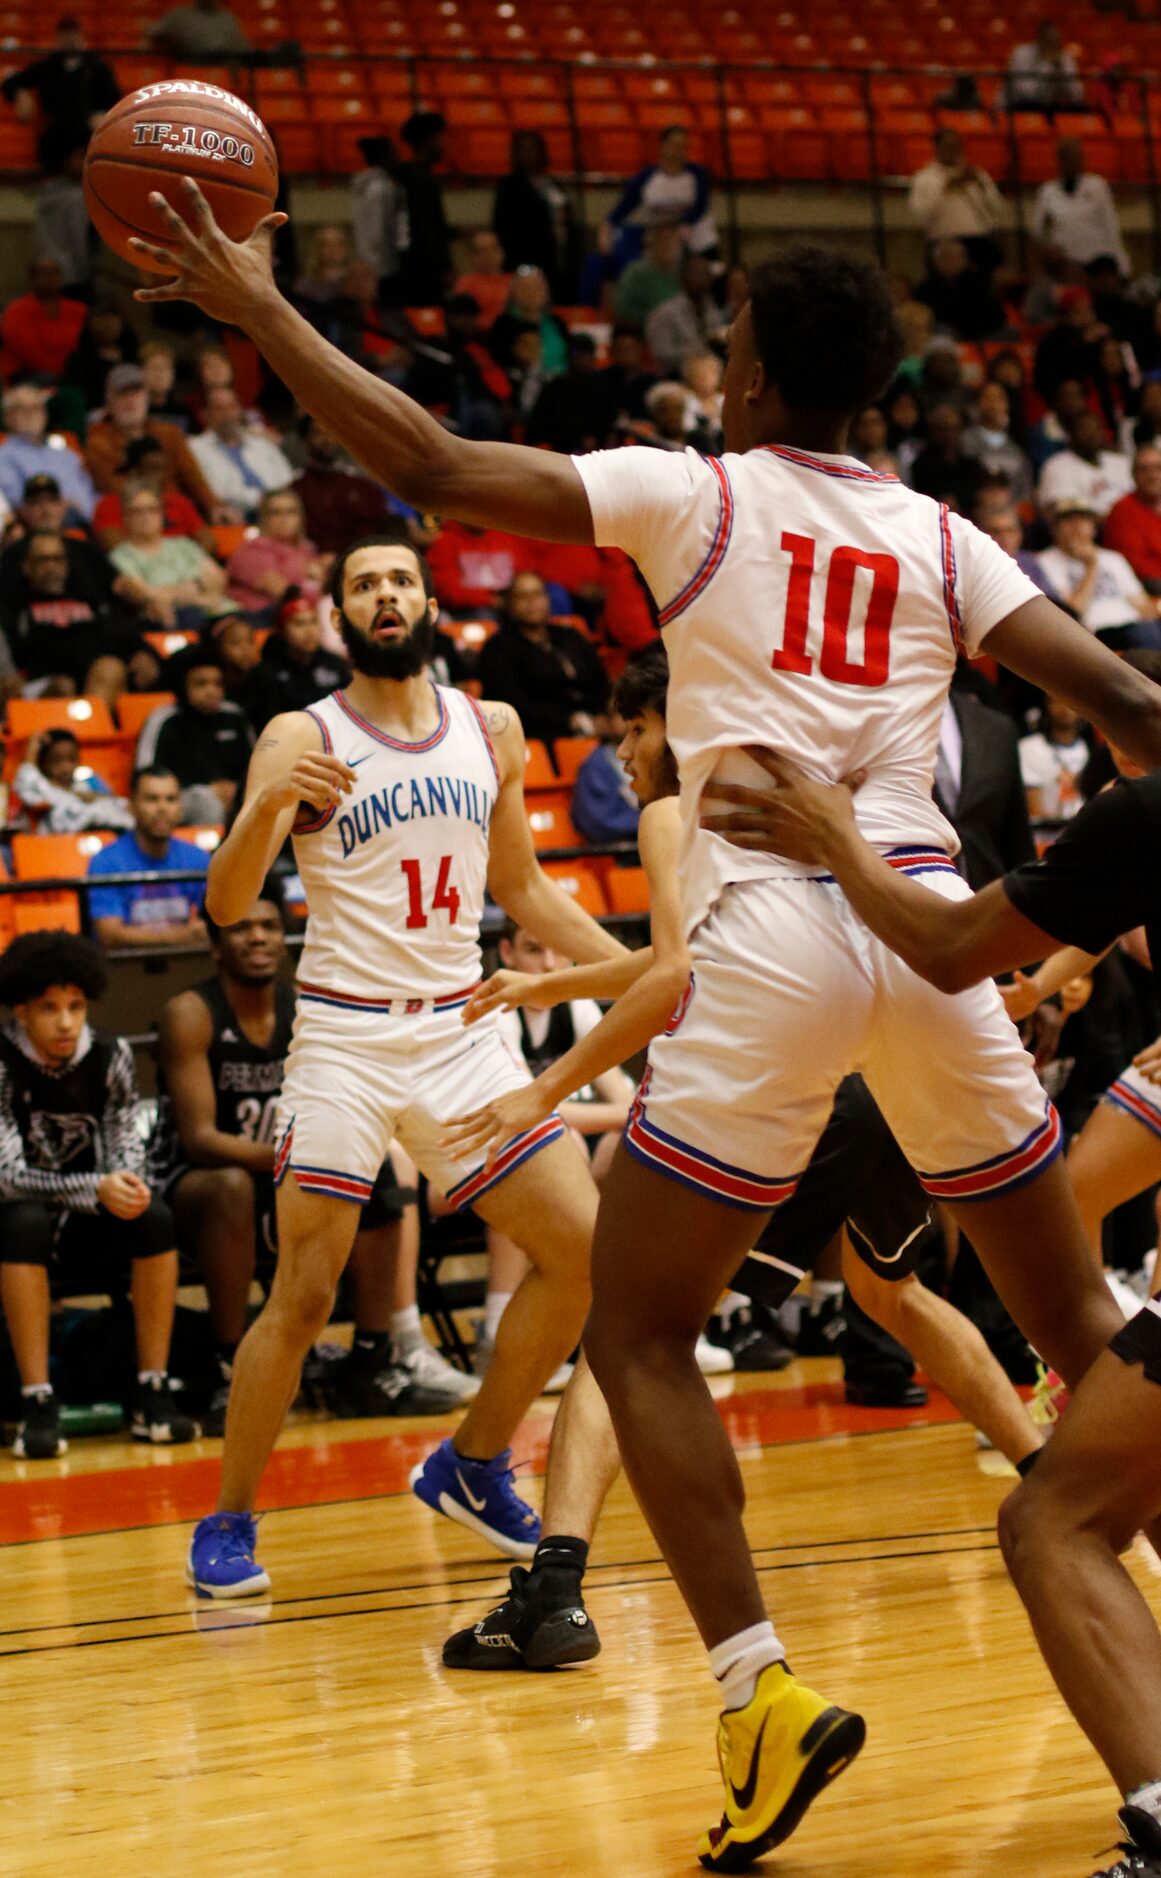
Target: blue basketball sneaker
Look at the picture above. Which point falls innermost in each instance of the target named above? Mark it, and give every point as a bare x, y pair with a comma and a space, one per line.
481, 1496
221, 1561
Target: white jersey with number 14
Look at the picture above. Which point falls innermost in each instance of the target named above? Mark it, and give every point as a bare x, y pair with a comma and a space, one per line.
810, 605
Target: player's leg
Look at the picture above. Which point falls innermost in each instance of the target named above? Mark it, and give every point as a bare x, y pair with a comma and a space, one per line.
1116, 1155
950, 1351
1061, 1531
26, 1239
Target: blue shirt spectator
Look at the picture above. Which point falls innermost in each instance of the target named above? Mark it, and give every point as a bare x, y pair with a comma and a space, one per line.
672, 189
604, 807
29, 451
162, 913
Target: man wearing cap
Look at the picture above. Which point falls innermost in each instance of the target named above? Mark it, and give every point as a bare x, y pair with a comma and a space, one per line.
426, 266
28, 450
1087, 474
1133, 527
127, 418
1096, 583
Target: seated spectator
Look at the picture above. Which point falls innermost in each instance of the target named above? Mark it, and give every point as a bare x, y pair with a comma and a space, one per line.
172, 579
943, 468
672, 189
551, 675
473, 568
1099, 586
40, 328
688, 321
1051, 761
159, 369
1116, 383
68, 796
1147, 428
339, 503
458, 374
73, 1198
1133, 525
198, 30
1042, 76
213, 371
1053, 273
41, 508
702, 377
126, 420
105, 341
574, 413
988, 440
295, 668
28, 450
647, 283
487, 280
532, 215
160, 913
202, 739
870, 441
145, 462
1066, 349
328, 258
1050, 435
625, 382
1007, 531
1087, 474
668, 409
232, 643
264, 568
959, 294
604, 807
64, 637
238, 461
940, 378
529, 306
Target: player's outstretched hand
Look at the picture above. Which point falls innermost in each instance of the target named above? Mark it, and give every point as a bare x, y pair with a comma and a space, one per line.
221, 276
1021, 997
507, 991
317, 778
491, 1128
796, 818
1148, 1061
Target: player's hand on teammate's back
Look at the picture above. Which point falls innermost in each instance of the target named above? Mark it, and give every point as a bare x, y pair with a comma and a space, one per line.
217, 274
316, 777
123, 1194
507, 991
796, 818
491, 1128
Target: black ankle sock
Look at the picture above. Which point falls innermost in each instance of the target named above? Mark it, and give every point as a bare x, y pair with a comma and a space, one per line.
371, 1345
1024, 1467
561, 1554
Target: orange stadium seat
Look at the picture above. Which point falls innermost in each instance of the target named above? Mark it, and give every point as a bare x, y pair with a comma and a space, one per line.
40, 857
207, 835
133, 707
539, 772
550, 822
627, 889
582, 881
88, 717
570, 753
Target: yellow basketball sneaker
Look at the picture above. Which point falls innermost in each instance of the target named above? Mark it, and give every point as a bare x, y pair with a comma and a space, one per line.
776, 1756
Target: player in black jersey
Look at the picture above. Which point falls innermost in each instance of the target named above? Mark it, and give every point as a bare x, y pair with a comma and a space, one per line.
221, 1055
1097, 1482
72, 1193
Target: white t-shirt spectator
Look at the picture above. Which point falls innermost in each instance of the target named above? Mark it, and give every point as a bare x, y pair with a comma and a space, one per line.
1118, 597
1053, 769
1038, 83
1082, 221
954, 203
1073, 481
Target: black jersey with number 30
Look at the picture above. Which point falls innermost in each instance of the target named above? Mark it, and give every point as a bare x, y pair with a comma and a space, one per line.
247, 1077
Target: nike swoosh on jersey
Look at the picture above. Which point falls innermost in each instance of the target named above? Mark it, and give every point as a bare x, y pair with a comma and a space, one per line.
354, 761
743, 1796
479, 1505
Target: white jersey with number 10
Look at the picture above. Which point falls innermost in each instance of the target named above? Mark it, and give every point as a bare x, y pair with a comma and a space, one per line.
395, 875
810, 605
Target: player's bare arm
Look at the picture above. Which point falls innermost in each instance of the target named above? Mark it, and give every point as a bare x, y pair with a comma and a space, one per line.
1051, 650
516, 880
634, 1020
951, 943
540, 991
1028, 991
289, 767
184, 1035
495, 485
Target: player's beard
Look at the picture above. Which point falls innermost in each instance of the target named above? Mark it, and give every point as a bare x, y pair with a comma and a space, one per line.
400, 658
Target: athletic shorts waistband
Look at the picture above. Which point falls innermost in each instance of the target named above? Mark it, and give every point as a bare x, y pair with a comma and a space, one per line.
912, 860
400, 1006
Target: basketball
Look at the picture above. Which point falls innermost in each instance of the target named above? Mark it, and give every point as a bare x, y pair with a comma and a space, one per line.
167, 131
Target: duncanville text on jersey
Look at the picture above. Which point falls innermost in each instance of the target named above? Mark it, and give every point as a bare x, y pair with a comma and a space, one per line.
406, 801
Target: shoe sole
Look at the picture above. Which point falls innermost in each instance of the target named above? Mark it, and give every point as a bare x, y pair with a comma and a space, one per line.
558, 1643
451, 1509
834, 1753
245, 1588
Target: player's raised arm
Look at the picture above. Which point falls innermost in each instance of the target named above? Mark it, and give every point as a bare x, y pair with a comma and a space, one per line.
499, 485
288, 768
516, 880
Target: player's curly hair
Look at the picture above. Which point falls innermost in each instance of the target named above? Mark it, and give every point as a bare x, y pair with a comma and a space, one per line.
38, 960
825, 329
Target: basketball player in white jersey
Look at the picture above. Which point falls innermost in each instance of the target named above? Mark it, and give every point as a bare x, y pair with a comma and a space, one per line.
809, 603
414, 800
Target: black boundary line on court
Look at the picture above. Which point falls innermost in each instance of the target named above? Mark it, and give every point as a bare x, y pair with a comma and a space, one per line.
389, 1610
404, 1493
204, 1605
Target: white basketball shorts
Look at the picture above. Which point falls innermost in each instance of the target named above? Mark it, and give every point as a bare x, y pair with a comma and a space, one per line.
360, 1074
1138, 1097
789, 993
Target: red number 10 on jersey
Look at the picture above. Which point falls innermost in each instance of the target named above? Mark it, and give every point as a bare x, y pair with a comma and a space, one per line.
833, 662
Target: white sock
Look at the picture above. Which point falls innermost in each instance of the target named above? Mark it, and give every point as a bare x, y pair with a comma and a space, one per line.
822, 1290
739, 1661
495, 1304
147, 1377
36, 1388
406, 1328
1148, 1799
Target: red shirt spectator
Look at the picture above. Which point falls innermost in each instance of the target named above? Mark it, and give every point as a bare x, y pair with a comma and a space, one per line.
487, 280
179, 517
41, 329
1133, 525
604, 575
474, 567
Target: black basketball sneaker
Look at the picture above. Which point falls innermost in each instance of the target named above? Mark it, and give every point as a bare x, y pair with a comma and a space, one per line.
541, 1624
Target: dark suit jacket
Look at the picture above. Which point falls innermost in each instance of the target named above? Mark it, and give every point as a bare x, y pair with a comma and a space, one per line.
991, 814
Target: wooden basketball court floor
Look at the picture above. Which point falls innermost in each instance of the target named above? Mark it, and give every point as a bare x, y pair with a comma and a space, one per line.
148, 1735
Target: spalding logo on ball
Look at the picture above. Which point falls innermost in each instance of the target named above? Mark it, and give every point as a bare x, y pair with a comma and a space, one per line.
162, 133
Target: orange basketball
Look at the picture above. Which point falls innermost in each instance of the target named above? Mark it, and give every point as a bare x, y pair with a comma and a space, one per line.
158, 135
